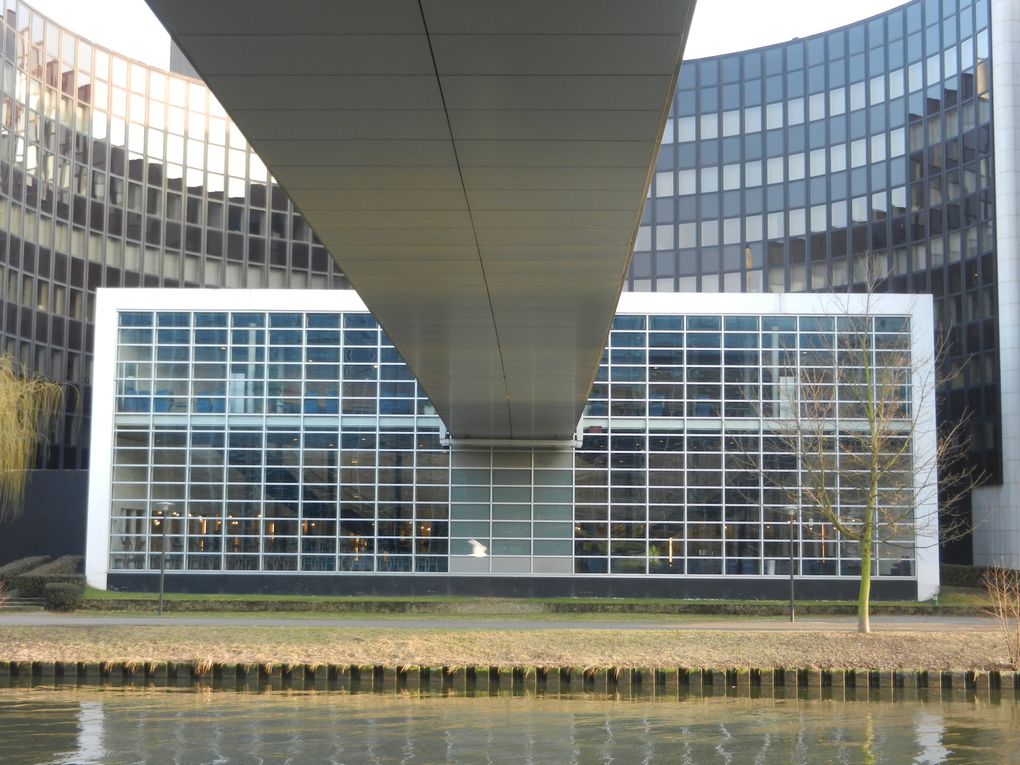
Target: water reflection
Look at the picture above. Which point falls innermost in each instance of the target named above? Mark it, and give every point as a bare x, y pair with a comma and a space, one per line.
91, 726
131, 726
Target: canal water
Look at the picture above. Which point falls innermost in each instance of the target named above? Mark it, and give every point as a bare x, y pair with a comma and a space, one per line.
114, 726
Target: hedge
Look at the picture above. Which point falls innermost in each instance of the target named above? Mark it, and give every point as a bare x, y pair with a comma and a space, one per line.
953, 575
20, 566
64, 596
32, 583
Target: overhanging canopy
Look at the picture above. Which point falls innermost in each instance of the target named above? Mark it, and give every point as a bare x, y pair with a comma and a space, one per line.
477, 169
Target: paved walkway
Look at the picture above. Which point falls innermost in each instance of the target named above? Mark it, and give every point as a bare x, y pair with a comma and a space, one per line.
638, 622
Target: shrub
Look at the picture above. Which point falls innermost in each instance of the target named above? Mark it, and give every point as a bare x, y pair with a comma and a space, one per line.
1003, 586
64, 596
953, 575
32, 583
20, 566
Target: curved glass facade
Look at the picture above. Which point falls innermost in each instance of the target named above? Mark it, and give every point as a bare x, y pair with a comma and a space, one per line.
788, 168
116, 174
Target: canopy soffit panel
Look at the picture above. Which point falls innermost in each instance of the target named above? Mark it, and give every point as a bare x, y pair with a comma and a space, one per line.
476, 168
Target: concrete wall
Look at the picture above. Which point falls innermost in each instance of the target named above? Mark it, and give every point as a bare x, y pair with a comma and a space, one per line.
56, 506
509, 586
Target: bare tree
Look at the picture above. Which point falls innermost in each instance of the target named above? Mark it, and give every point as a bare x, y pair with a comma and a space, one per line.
30, 406
858, 412
1003, 587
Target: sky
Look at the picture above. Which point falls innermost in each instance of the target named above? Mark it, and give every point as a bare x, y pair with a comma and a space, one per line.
128, 26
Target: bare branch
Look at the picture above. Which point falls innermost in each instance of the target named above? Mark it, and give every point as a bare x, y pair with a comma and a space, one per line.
853, 415
1003, 587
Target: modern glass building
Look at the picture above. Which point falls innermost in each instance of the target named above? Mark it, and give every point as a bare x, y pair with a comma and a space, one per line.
782, 169
785, 167
800, 166
116, 174
279, 442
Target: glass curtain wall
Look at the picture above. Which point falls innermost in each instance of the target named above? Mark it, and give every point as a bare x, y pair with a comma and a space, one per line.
805, 166
264, 441
114, 173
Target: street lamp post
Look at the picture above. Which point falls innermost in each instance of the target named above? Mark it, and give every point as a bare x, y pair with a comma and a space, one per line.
164, 510
791, 513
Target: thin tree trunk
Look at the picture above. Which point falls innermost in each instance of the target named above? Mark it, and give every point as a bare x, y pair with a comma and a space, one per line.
864, 594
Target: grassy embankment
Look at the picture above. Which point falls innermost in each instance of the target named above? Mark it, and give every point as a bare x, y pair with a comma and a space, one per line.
671, 639
292, 645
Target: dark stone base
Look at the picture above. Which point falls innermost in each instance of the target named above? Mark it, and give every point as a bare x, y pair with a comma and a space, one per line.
53, 523
510, 587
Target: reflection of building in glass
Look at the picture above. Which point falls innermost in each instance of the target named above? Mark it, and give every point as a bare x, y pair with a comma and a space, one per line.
783, 167
115, 174
290, 437
780, 168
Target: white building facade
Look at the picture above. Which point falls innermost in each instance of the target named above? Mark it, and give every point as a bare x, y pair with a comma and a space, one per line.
275, 441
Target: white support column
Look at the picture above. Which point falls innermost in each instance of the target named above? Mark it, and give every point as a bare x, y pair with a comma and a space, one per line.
925, 446
104, 373
997, 509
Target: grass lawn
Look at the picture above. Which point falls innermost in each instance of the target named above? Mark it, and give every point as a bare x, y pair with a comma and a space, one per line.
964, 596
452, 618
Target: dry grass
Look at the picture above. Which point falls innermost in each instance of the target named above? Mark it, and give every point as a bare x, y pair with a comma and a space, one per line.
548, 647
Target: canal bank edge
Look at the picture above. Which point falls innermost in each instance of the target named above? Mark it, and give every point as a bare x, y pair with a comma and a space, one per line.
678, 683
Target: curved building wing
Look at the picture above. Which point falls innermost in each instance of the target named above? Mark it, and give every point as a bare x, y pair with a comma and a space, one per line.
803, 166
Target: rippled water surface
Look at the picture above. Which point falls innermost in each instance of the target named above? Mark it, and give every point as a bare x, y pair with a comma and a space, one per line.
137, 726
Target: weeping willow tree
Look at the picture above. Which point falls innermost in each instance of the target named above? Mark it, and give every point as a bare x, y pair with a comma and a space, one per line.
30, 407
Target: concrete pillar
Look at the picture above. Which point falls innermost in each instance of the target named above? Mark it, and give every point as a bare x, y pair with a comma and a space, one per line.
997, 509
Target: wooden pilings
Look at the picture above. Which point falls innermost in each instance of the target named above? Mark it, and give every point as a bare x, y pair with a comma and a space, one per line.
611, 682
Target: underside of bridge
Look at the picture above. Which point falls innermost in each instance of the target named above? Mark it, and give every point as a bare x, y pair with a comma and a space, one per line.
477, 168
